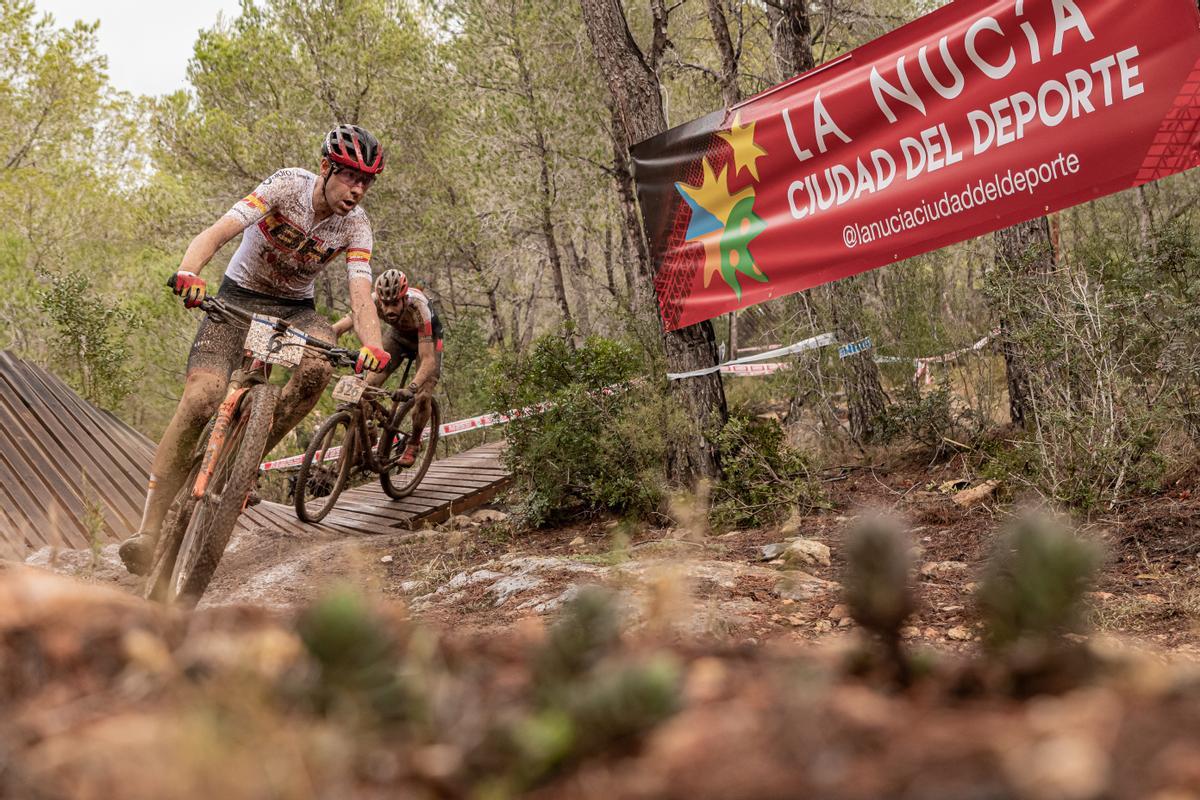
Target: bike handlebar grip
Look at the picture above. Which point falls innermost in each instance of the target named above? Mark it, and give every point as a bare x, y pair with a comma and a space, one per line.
171, 280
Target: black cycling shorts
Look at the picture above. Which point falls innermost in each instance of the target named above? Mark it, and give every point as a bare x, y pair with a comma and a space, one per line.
219, 346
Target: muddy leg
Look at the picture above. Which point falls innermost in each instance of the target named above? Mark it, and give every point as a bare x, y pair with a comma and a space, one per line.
299, 395
202, 394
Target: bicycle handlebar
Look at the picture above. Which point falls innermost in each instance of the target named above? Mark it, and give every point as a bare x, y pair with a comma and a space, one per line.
214, 306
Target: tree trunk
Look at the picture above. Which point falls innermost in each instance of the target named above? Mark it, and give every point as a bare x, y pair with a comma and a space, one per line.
791, 38
579, 269
630, 265
865, 399
791, 49
546, 195
1145, 220
637, 104
497, 337
1024, 254
637, 272
609, 275
728, 76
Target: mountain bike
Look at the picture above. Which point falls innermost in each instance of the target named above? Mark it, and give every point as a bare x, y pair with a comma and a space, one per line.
370, 439
226, 458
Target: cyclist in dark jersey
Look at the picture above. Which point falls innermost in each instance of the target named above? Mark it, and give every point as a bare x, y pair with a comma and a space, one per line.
292, 225
412, 330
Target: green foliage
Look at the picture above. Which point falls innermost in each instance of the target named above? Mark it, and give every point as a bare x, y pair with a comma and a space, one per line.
763, 477
599, 446
590, 697
467, 363
356, 656
1034, 587
92, 338
927, 418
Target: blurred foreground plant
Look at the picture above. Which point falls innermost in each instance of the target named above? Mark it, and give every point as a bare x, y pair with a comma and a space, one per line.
878, 592
589, 695
356, 657
1032, 595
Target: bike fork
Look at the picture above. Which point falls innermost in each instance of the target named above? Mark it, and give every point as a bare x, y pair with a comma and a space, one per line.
216, 441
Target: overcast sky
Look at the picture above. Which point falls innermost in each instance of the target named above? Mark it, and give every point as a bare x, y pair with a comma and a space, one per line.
148, 44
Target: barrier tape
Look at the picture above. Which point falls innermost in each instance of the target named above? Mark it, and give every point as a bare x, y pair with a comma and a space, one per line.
921, 365
747, 366
854, 348
792, 349
753, 370
445, 429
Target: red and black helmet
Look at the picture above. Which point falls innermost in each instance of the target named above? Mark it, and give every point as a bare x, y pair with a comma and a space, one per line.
354, 147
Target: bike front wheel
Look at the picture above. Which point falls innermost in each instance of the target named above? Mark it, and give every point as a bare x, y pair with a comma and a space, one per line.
320, 480
399, 482
197, 530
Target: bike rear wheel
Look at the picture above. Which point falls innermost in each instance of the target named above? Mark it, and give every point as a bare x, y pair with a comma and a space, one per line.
197, 529
319, 484
399, 482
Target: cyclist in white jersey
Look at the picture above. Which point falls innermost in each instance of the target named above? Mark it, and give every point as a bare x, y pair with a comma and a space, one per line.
292, 225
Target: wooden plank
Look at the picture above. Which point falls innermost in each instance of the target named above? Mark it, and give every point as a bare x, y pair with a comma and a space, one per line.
452, 483
39, 474
345, 516
359, 528
123, 510
33, 510
102, 433
120, 441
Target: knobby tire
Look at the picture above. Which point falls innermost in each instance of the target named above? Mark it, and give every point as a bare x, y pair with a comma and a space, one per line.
307, 510
397, 482
248, 431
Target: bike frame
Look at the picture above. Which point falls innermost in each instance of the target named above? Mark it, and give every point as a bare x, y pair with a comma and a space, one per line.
254, 371
360, 417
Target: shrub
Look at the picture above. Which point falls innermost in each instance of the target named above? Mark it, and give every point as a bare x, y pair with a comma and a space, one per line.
763, 478
598, 446
926, 418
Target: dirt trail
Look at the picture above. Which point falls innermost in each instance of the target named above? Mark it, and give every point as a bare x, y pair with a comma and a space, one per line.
482, 574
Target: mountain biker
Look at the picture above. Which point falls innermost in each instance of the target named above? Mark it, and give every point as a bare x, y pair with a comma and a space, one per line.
293, 224
413, 330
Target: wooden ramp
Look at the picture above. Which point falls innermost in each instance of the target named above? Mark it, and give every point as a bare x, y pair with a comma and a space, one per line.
72, 475
452, 485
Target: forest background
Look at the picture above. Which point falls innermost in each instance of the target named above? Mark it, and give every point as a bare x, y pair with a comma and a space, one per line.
507, 197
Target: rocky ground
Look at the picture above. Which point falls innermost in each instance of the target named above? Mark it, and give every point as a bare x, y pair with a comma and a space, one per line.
481, 572
729, 677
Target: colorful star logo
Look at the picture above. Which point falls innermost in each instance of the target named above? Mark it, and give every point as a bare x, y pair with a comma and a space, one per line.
745, 152
722, 221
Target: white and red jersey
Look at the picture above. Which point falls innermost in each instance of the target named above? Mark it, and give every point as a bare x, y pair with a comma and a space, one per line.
282, 250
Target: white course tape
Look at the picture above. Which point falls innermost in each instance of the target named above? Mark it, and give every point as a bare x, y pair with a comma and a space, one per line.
921, 365
770, 355
446, 429
751, 370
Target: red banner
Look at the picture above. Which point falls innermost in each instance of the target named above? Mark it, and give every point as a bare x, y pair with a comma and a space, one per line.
971, 119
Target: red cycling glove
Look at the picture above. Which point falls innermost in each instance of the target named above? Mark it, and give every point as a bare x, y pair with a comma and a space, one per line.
191, 287
372, 359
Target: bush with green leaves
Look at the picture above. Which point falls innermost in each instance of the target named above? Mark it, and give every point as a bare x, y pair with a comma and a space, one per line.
927, 418
599, 444
763, 477
92, 338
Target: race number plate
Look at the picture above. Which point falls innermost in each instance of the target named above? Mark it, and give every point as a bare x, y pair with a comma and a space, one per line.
349, 389
264, 344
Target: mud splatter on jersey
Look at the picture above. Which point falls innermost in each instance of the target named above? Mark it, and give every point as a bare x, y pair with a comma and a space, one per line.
282, 251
